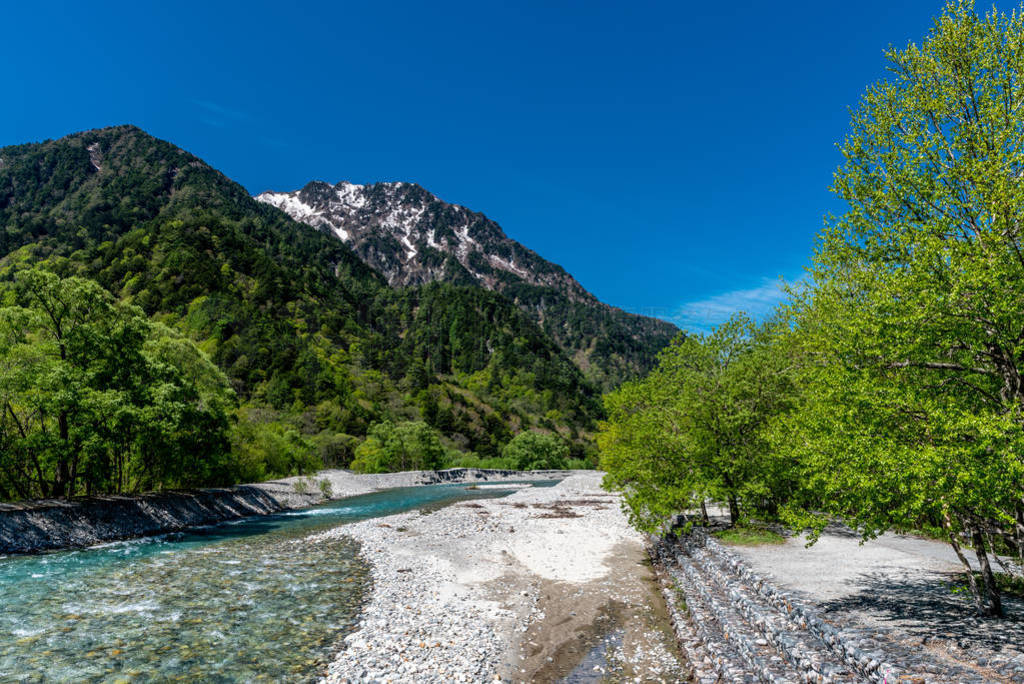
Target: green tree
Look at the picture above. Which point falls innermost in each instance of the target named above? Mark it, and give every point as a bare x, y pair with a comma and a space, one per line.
531, 450
97, 399
916, 405
696, 427
267, 447
390, 447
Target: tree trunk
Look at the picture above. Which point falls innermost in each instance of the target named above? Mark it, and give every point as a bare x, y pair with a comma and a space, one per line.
40, 478
990, 539
73, 475
734, 510
995, 603
63, 474
734, 504
1019, 533
704, 513
971, 581
60, 480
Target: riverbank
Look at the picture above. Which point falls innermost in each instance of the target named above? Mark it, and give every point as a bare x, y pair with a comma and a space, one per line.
48, 525
536, 586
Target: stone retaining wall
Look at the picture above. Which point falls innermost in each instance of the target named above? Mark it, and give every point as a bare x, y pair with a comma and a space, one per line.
51, 525
737, 626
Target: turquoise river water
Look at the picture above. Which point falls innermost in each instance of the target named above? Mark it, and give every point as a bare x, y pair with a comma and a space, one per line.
240, 601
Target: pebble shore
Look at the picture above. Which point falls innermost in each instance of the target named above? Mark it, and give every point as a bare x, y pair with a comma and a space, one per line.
458, 592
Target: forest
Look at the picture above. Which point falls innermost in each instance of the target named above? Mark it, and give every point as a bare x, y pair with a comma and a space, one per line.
887, 391
161, 329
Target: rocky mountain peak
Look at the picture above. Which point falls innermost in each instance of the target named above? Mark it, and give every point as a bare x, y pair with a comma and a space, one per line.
412, 237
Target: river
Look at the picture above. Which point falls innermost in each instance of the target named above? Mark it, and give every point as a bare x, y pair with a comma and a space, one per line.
241, 601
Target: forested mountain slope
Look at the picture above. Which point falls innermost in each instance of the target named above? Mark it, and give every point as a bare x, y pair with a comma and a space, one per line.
412, 237
315, 344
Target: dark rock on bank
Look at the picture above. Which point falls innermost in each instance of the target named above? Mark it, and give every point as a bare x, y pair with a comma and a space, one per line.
47, 525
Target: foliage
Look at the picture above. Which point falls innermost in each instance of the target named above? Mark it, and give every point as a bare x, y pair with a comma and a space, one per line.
97, 399
578, 464
409, 445
890, 394
696, 427
536, 451
618, 346
1009, 584
474, 461
265, 448
914, 411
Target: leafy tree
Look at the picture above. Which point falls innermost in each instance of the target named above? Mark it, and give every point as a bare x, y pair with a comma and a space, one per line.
266, 447
531, 450
97, 399
696, 427
916, 407
409, 445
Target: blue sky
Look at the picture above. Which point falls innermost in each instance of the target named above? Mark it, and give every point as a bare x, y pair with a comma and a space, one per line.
674, 156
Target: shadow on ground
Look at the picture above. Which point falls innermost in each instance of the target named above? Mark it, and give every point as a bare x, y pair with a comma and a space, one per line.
927, 607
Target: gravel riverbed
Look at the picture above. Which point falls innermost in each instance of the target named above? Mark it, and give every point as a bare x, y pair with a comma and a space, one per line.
546, 584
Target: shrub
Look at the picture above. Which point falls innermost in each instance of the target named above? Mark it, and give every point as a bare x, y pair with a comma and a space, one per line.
536, 451
390, 447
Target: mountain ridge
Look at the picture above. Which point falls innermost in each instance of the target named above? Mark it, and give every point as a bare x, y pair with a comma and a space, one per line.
412, 237
315, 343
353, 213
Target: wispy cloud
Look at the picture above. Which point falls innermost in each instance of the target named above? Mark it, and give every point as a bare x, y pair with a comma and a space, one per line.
757, 302
273, 142
218, 115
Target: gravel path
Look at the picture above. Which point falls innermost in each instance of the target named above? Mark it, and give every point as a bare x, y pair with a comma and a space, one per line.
529, 587
837, 566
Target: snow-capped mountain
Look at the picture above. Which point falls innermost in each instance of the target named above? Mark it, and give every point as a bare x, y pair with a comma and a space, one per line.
412, 238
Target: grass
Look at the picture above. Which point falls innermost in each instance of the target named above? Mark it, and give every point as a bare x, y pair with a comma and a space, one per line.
749, 536
1009, 585
681, 600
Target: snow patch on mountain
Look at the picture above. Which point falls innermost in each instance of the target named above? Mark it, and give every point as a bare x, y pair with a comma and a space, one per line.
290, 203
411, 220
351, 194
507, 265
465, 242
95, 156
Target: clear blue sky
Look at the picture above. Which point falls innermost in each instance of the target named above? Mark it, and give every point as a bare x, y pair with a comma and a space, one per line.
674, 156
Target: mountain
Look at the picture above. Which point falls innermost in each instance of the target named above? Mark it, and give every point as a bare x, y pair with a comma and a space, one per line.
411, 237
316, 344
